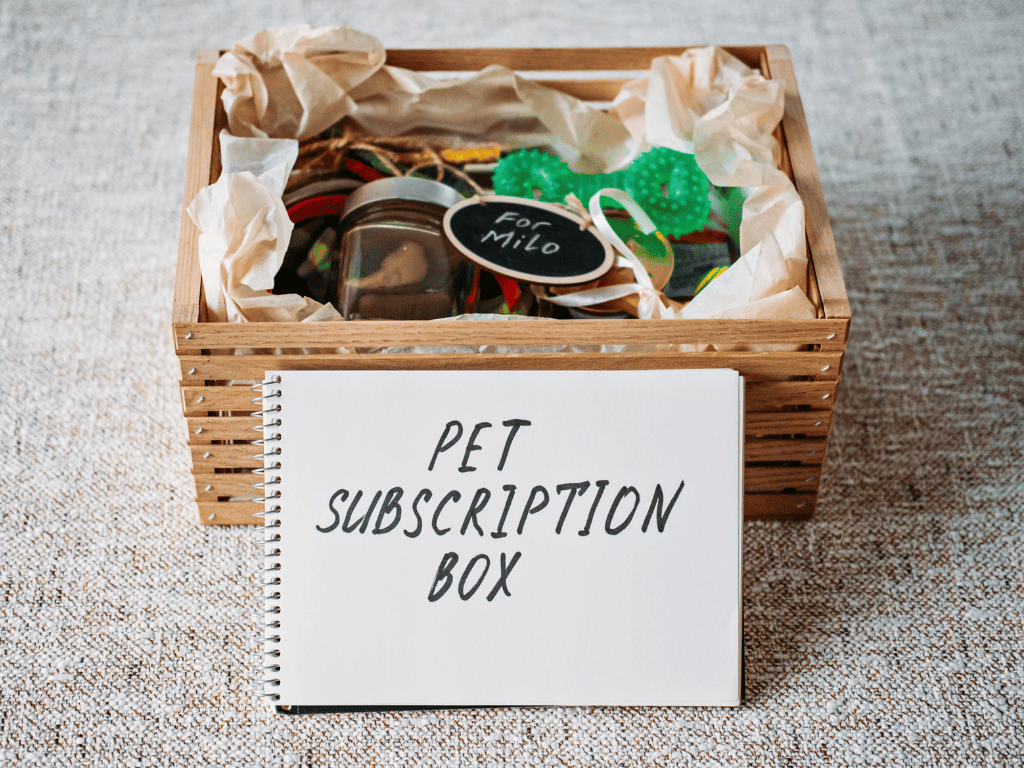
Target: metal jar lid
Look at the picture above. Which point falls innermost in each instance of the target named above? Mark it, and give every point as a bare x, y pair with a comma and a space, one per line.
402, 188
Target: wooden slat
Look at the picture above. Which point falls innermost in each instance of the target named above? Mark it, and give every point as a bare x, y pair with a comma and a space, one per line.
546, 59
198, 401
229, 513
197, 175
786, 166
749, 364
809, 450
210, 487
202, 429
839, 328
779, 395
777, 479
759, 396
810, 423
830, 283
501, 333
206, 458
779, 505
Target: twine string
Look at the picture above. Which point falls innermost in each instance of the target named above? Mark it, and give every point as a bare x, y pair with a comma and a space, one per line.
330, 154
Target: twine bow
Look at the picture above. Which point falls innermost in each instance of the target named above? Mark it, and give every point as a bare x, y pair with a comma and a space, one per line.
650, 302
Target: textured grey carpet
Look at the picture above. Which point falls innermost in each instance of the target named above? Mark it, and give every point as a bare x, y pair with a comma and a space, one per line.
887, 630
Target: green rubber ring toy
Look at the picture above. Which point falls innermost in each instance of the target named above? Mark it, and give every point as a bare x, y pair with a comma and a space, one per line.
667, 184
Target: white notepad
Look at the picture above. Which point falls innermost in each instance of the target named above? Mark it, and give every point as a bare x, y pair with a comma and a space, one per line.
457, 538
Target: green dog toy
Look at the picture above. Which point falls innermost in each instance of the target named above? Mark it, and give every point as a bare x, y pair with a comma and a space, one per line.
667, 184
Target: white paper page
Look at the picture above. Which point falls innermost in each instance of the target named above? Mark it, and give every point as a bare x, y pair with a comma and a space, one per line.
617, 616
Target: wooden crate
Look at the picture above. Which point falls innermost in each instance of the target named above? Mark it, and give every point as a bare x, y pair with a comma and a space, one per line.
789, 395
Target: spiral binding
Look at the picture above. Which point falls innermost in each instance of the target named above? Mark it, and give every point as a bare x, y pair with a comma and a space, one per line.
270, 537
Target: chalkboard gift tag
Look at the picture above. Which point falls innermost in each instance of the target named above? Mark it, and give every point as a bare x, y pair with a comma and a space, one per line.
528, 240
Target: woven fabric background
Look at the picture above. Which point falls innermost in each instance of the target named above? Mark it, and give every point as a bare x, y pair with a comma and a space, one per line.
886, 630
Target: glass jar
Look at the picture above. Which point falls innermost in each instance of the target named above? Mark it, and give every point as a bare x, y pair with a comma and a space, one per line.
394, 261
